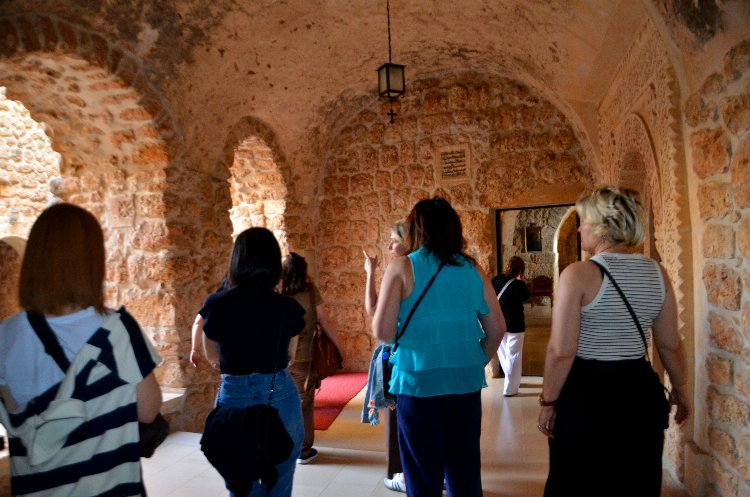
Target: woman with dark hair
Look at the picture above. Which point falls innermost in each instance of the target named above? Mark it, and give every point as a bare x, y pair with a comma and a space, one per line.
512, 292
75, 409
438, 362
250, 333
296, 283
602, 406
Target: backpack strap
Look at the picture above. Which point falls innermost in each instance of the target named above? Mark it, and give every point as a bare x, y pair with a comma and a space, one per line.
48, 339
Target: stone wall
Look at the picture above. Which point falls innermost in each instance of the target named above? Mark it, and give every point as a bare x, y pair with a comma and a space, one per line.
567, 241
521, 149
544, 262
640, 143
29, 164
10, 268
718, 120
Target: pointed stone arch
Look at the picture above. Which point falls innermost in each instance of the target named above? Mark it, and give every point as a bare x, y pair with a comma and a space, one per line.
30, 167
29, 34
123, 159
636, 167
258, 179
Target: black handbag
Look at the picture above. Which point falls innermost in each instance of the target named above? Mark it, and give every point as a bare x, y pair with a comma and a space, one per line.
657, 392
245, 444
151, 434
389, 350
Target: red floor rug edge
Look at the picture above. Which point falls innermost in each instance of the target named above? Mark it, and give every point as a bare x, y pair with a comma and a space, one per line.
334, 393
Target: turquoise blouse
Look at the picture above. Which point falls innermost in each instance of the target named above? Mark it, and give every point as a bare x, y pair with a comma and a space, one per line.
440, 352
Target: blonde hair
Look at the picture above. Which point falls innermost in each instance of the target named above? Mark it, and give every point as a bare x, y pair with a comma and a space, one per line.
614, 214
399, 231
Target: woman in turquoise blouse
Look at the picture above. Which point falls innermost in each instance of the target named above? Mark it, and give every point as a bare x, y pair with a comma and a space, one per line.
438, 365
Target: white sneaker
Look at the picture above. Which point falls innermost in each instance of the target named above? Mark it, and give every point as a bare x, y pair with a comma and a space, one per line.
396, 483
309, 458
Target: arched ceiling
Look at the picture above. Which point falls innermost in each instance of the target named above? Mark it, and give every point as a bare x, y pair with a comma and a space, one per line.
286, 62
294, 57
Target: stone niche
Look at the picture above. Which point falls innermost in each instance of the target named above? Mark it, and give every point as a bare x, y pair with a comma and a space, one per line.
507, 144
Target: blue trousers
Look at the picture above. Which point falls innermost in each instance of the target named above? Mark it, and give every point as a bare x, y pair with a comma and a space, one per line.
439, 436
252, 389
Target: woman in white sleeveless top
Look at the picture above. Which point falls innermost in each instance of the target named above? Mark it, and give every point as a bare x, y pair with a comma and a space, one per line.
601, 405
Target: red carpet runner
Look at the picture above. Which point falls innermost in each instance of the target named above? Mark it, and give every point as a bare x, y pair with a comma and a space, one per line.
333, 395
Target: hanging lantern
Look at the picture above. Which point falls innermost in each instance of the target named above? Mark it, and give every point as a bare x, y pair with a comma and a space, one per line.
391, 80
391, 77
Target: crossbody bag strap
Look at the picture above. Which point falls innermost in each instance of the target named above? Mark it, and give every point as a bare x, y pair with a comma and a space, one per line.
416, 304
48, 339
275, 361
500, 294
627, 304
314, 314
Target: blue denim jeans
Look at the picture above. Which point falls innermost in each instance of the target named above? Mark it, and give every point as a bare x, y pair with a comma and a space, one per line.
252, 389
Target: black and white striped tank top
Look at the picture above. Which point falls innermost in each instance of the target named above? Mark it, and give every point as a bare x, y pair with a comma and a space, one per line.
608, 332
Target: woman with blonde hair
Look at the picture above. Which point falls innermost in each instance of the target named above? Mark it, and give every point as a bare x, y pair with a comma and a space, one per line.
396, 247
375, 394
602, 406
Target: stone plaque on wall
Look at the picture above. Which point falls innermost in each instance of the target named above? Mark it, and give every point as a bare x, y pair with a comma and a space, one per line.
453, 163
121, 211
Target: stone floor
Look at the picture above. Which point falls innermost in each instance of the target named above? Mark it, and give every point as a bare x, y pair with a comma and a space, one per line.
352, 456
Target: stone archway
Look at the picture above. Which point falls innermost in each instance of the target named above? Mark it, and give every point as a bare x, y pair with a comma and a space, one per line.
30, 166
637, 167
121, 158
110, 154
258, 179
566, 243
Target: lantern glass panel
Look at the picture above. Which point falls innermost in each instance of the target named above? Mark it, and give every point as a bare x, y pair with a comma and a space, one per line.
397, 78
391, 80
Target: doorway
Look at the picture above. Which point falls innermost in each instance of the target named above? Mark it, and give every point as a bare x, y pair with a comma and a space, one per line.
547, 239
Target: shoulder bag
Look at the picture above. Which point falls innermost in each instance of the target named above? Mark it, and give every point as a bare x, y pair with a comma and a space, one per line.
658, 393
389, 350
326, 358
505, 287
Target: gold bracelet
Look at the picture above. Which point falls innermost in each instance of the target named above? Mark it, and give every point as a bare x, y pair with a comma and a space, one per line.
546, 403
679, 385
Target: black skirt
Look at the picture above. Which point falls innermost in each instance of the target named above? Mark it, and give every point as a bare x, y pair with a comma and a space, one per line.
609, 431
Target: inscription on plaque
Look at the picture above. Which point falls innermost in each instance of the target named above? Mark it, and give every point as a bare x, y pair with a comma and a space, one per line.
453, 163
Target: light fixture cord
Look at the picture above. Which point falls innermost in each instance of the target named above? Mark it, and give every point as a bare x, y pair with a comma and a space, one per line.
388, 11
